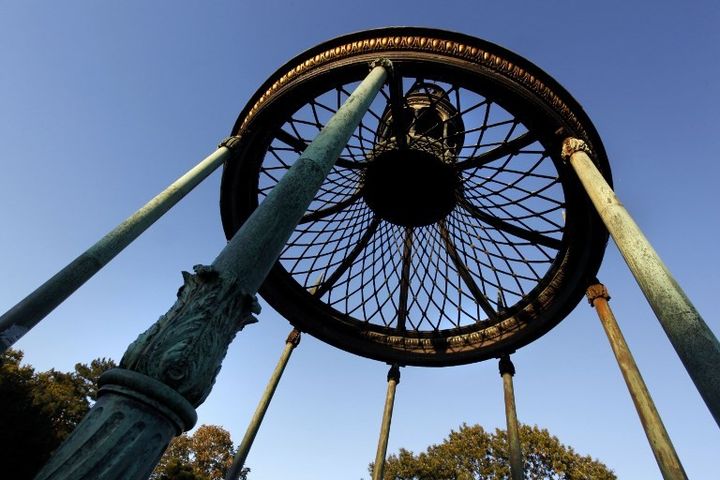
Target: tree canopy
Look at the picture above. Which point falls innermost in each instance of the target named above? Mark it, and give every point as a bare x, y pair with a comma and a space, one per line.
207, 454
40, 409
471, 453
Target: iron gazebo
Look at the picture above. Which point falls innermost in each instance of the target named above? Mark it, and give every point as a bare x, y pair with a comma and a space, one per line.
414, 196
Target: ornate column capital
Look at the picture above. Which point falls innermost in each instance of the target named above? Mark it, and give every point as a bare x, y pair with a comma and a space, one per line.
293, 337
506, 366
394, 373
572, 145
230, 142
383, 62
185, 347
596, 291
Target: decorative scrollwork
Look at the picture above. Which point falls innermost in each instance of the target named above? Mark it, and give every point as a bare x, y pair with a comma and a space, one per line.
185, 347
573, 145
596, 291
424, 44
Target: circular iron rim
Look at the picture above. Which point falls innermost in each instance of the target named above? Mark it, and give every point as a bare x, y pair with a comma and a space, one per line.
521, 81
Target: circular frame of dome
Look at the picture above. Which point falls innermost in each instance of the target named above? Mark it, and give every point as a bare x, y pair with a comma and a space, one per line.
539, 104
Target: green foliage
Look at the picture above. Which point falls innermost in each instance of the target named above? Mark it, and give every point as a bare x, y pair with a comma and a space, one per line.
40, 409
24, 426
175, 469
471, 453
207, 454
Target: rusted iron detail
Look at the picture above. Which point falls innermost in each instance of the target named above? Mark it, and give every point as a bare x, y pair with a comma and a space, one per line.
596, 291
294, 337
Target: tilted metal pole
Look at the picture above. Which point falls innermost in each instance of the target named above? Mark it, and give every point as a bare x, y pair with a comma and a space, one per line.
694, 342
293, 340
170, 369
393, 378
507, 370
17, 321
658, 437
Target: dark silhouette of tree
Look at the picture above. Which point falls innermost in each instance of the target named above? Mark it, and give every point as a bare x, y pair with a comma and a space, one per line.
26, 431
38, 410
471, 453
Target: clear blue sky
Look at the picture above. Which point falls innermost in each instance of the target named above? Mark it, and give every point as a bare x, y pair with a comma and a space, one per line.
102, 104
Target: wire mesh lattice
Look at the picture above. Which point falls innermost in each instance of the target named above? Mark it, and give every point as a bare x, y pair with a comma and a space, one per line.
475, 265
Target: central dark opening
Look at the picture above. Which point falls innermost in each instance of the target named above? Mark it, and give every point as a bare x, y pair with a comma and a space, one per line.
410, 188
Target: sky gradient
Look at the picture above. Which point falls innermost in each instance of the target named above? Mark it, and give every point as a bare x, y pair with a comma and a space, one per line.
103, 104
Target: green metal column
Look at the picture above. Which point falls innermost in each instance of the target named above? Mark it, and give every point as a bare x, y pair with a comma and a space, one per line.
692, 339
507, 370
293, 340
17, 321
393, 379
658, 437
170, 369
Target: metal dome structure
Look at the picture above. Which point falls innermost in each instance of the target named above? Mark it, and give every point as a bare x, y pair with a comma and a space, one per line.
410, 195
450, 230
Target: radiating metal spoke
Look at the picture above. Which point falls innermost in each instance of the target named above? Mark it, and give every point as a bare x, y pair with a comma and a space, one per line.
297, 144
349, 259
326, 212
397, 106
465, 274
405, 279
507, 148
529, 235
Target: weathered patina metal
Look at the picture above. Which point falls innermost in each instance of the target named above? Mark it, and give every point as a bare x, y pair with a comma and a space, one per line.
660, 443
452, 191
393, 378
125, 433
171, 367
694, 342
268, 229
507, 371
293, 340
17, 321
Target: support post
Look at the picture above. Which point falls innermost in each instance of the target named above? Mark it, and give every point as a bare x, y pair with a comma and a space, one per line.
393, 379
660, 443
507, 370
170, 369
293, 340
17, 321
694, 342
